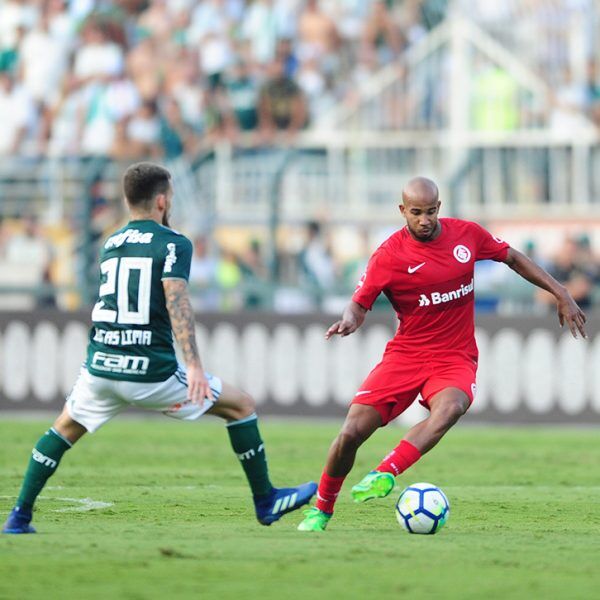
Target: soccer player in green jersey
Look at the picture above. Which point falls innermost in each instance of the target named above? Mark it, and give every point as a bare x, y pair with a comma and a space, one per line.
143, 297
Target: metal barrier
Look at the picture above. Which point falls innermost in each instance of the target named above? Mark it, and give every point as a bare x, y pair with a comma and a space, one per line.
530, 370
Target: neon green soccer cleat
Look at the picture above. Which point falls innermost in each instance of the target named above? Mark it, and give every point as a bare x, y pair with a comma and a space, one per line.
314, 520
373, 485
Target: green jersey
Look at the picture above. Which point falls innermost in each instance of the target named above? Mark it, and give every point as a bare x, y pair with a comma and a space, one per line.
131, 336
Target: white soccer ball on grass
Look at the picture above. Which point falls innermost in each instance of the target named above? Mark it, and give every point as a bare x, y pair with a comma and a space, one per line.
422, 508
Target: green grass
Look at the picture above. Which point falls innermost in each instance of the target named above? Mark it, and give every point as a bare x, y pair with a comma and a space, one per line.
524, 523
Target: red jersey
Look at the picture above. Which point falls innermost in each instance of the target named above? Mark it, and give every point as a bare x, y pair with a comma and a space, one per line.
431, 286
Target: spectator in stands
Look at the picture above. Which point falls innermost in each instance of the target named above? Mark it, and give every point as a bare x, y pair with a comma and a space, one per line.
10, 51
30, 251
183, 83
98, 58
242, 98
143, 130
312, 81
97, 121
157, 20
380, 39
494, 99
576, 268
228, 278
316, 260
17, 115
317, 35
285, 52
264, 22
175, 135
203, 276
122, 149
144, 66
592, 92
43, 59
282, 105
15, 15
254, 276
569, 105
216, 55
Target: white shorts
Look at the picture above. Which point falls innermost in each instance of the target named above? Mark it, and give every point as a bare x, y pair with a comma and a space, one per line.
96, 400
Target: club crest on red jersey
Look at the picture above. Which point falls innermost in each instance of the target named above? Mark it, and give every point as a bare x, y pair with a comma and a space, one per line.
462, 254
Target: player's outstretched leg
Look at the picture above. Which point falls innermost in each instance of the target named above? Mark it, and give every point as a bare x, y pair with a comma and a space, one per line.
360, 423
446, 408
44, 461
270, 503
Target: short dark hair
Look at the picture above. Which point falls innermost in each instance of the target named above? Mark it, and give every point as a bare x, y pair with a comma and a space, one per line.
143, 181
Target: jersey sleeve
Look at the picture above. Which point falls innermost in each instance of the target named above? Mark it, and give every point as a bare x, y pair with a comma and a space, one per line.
489, 246
178, 258
374, 279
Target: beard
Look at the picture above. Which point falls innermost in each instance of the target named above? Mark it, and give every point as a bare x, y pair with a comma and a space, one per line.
425, 236
165, 220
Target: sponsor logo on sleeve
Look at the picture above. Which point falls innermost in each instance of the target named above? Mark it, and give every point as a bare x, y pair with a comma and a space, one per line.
171, 258
361, 282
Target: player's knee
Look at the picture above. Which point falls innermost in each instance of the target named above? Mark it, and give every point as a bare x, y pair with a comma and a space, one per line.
349, 439
454, 408
247, 404
244, 406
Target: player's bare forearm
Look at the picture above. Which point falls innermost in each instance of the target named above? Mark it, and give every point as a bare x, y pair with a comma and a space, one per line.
568, 311
182, 323
182, 319
531, 271
352, 318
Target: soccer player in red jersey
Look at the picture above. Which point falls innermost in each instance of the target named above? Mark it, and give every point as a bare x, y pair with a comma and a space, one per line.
426, 272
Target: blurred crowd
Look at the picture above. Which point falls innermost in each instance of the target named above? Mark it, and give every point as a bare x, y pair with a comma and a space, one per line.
316, 268
130, 78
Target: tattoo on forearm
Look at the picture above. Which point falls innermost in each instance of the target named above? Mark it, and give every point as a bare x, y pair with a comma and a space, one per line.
182, 318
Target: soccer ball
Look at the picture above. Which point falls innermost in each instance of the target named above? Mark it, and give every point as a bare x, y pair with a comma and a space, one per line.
422, 508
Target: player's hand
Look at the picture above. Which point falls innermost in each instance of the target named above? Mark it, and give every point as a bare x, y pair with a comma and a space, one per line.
572, 315
342, 327
198, 386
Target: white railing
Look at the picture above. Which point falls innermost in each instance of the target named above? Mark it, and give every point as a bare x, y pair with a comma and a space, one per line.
421, 115
348, 179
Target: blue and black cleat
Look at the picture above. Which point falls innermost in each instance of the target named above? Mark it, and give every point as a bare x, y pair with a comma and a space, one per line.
18, 521
283, 500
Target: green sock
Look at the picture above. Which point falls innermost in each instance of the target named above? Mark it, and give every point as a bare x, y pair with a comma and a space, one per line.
45, 457
248, 445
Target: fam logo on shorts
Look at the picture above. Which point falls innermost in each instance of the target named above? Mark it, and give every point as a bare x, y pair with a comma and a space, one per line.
462, 254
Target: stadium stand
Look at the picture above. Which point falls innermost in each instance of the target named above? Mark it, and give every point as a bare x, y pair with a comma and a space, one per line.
290, 126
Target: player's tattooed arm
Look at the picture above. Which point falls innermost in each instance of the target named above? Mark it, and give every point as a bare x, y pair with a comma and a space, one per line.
352, 318
182, 323
568, 310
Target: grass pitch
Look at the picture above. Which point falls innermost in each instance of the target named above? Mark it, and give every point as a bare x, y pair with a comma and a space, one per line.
177, 521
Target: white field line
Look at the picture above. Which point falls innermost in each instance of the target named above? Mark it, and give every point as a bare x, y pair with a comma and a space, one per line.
82, 504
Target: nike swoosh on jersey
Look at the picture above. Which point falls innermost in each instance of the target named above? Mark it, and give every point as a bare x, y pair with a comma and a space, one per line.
363, 392
413, 269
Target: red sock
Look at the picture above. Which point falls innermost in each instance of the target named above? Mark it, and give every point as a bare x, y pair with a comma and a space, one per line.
399, 459
329, 488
